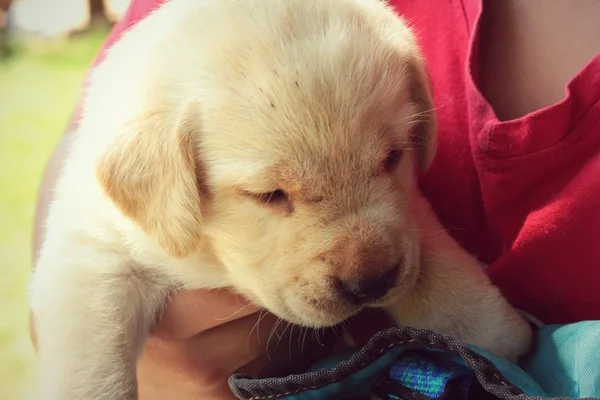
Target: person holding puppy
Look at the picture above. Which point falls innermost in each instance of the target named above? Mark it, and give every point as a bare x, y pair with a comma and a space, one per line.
514, 178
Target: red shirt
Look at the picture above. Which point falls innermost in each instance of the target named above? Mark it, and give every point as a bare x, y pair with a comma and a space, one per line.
518, 194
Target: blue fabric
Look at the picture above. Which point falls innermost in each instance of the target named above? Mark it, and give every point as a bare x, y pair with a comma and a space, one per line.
515, 374
565, 364
355, 386
360, 383
429, 373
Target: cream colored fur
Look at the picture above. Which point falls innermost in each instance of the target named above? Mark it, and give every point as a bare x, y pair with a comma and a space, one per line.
199, 109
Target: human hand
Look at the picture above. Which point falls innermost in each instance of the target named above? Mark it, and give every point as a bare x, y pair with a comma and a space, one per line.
205, 336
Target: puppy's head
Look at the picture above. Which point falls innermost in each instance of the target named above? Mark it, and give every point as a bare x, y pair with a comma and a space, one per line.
295, 166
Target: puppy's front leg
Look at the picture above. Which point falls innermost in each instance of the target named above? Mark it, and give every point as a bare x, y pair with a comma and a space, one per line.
454, 296
92, 312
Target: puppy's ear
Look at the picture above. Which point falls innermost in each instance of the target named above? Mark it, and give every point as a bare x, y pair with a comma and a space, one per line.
150, 173
424, 134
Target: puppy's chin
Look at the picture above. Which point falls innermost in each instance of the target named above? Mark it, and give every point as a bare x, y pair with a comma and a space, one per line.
315, 313
318, 313
321, 307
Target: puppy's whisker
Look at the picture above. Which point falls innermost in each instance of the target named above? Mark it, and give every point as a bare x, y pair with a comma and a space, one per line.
422, 113
234, 314
290, 341
299, 337
303, 341
256, 324
263, 313
439, 256
316, 336
414, 121
335, 330
273, 329
441, 259
282, 335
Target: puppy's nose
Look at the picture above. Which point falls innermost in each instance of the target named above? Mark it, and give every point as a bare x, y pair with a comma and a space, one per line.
368, 288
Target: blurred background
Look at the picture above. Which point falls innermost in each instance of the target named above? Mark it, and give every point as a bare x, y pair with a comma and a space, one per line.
46, 47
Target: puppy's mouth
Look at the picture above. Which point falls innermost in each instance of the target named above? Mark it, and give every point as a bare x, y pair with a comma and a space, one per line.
316, 312
315, 301
311, 310
319, 313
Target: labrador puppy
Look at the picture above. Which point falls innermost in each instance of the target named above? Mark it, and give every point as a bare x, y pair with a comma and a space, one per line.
268, 146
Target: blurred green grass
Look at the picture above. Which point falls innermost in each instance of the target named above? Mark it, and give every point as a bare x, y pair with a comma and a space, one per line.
39, 86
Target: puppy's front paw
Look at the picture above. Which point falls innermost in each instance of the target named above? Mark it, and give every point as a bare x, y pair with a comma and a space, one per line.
454, 296
476, 315
511, 339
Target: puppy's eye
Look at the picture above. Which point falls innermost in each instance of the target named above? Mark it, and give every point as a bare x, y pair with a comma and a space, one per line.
276, 198
392, 160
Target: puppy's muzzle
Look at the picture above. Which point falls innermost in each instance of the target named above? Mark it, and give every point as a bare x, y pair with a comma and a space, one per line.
367, 289
363, 271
